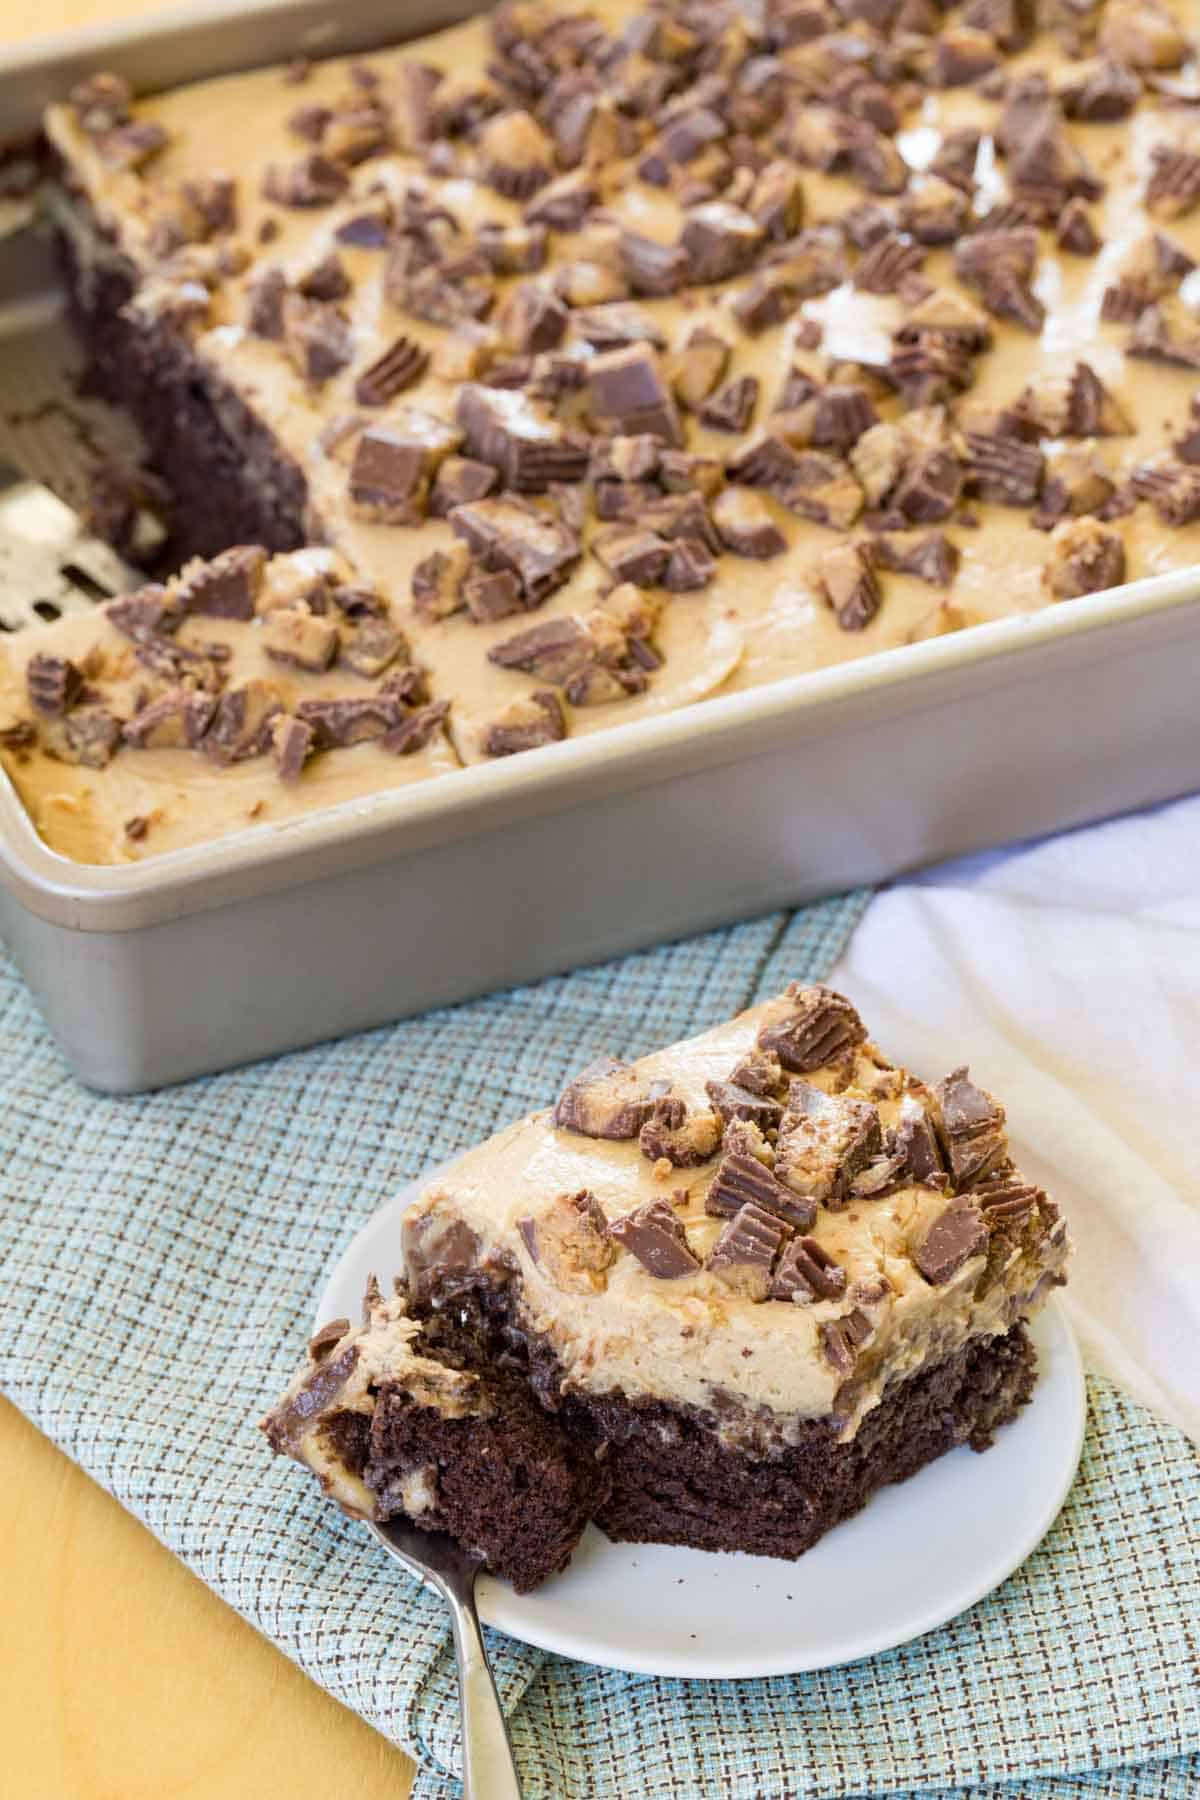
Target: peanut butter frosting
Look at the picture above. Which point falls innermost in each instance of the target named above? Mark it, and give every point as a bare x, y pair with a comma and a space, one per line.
770, 1223
638, 355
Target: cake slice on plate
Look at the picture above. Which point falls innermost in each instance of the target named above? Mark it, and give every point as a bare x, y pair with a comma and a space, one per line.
736, 1287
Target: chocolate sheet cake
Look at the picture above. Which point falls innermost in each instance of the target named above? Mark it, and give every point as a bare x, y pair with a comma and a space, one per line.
747, 1281
640, 353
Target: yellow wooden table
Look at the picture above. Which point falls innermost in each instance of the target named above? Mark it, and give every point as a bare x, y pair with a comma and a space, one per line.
123, 1677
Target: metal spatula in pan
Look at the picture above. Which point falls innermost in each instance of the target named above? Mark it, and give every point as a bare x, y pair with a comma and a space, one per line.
50, 564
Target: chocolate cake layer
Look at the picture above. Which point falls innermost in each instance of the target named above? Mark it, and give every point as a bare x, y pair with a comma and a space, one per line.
674, 1481
229, 479
512, 1487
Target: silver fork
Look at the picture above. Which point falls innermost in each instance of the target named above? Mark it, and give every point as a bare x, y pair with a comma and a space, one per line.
489, 1772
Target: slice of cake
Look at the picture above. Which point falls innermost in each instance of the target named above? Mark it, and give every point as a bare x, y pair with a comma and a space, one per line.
767, 1270
394, 1421
752, 1278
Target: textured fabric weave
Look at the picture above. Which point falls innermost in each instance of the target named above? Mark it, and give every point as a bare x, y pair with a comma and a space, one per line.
161, 1258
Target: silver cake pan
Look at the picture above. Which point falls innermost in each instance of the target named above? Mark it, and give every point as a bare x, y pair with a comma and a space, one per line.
286, 934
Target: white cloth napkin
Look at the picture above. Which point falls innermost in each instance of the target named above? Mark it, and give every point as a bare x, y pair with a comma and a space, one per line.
1067, 973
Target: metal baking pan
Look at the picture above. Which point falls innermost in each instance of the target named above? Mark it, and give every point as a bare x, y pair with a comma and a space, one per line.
285, 934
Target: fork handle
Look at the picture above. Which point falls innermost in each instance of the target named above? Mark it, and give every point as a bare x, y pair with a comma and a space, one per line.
489, 1772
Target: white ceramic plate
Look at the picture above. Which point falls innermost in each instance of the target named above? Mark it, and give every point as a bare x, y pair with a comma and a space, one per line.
917, 1555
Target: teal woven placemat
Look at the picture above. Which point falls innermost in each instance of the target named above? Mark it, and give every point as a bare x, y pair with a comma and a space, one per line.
161, 1257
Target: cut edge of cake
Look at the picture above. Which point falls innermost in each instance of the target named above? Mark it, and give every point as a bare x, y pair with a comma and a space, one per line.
394, 1421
